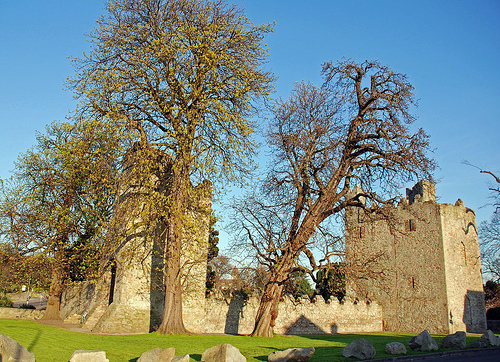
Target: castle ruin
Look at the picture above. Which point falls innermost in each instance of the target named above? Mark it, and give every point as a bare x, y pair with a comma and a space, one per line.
420, 261
411, 267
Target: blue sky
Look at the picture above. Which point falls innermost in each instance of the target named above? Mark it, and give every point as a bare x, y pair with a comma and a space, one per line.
450, 51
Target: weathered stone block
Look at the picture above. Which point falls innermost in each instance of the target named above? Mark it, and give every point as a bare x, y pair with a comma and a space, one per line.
395, 348
423, 342
455, 341
223, 353
158, 355
292, 355
88, 356
489, 339
359, 348
10, 350
184, 358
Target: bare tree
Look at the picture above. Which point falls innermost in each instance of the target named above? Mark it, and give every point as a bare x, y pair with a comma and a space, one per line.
489, 232
353, 130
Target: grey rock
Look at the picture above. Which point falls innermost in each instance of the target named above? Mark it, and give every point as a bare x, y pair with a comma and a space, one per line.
10, 350
184, 358
478, 345
360, 349
223, 353
423, 342
292, 355
395, 348
490, 339
88, 356
457, 340
158, 355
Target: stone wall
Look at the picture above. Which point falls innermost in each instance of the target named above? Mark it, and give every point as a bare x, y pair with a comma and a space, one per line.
236, 315
17, 313
464, 284
301, 316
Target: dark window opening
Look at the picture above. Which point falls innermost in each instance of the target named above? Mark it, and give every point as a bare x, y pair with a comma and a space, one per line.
410, 225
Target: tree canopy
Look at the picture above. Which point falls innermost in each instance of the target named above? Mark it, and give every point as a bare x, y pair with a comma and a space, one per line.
60, 198
184, 77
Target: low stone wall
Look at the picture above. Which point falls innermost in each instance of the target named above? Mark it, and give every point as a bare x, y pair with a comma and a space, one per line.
237, 316
228, 314
17, 313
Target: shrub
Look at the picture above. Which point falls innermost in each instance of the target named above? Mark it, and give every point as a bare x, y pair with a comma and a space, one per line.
5, 303
27, 306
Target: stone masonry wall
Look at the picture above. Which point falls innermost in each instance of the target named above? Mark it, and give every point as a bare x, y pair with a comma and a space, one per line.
466, 308
17, 313
237, 316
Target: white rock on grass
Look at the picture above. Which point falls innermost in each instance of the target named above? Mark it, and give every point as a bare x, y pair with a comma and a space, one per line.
10, 350
223, 353
88, 356
292, 355
161, 355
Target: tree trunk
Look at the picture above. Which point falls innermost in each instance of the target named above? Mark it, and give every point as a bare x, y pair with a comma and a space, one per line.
172, 321
268, 310
56, 287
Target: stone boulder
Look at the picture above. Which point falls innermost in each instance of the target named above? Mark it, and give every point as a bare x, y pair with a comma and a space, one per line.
423, 342
184, 358
360, 349
292, 355
489, 339
162, 355
478, 345
10, 350
223, 353
395, 348
88, 356
457, 340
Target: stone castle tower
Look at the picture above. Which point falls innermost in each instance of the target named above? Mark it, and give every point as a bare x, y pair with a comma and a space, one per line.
129, 298
420, 261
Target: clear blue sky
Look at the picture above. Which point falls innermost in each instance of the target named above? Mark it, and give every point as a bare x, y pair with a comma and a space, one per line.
449, 49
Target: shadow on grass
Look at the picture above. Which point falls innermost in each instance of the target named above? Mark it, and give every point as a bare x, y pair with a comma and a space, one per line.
35, 341
196, 357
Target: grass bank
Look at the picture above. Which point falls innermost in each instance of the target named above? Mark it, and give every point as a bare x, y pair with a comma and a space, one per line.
50, 343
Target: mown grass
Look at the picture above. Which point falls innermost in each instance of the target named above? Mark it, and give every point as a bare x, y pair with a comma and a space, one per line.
50, 343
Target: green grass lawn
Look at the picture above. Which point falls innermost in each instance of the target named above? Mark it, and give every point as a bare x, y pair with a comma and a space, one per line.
50, 343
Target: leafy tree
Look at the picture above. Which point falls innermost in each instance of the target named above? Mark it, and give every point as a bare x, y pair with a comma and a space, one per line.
184, 75
60, 197
297, 285
354, 129
17, 270
330, 281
